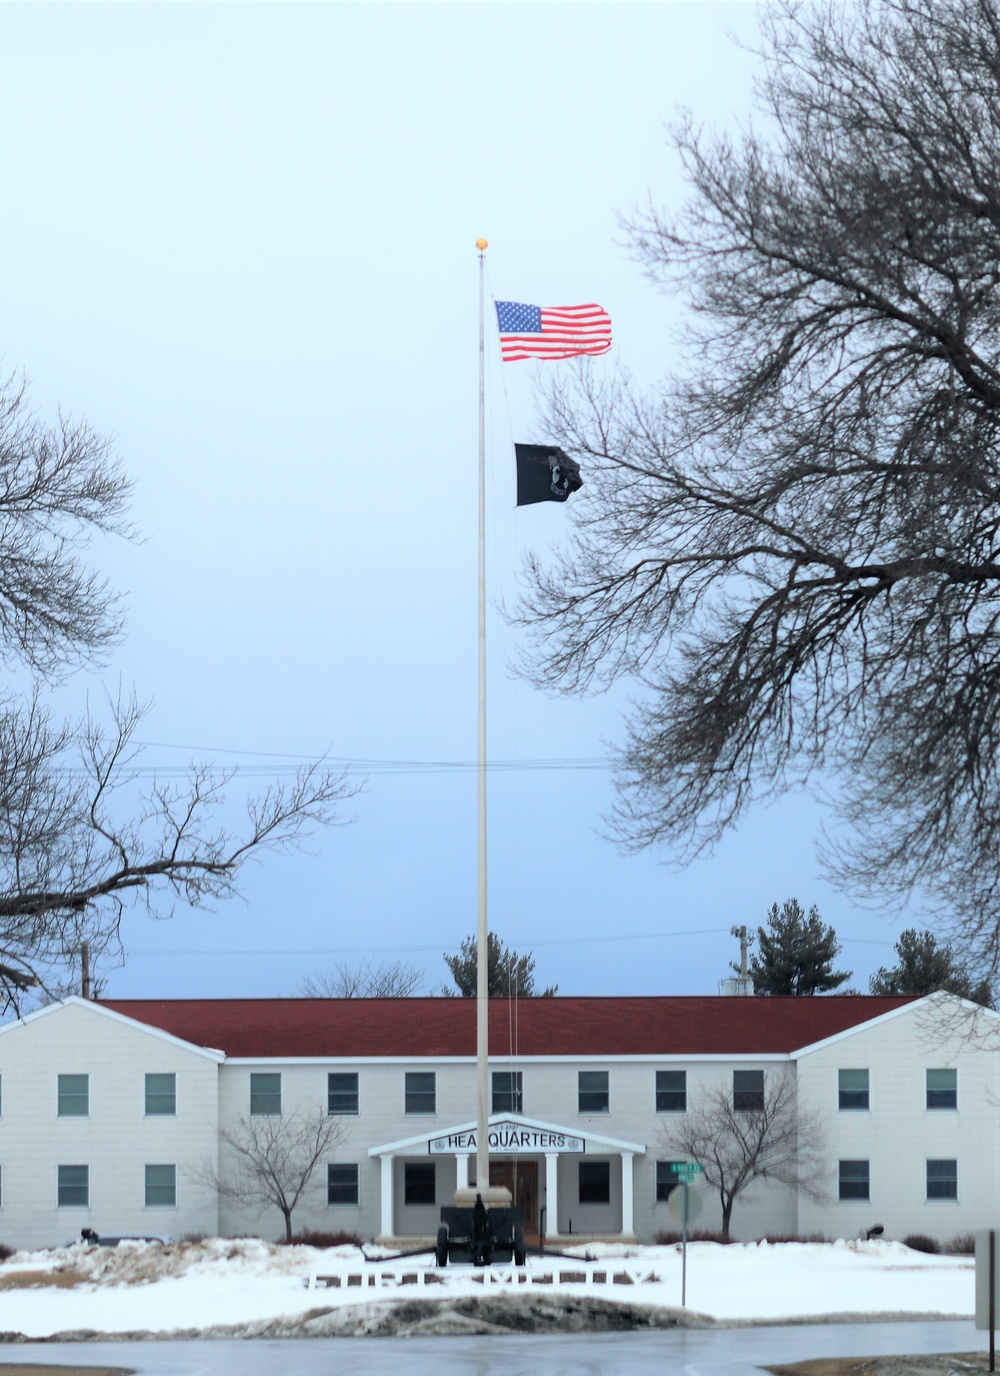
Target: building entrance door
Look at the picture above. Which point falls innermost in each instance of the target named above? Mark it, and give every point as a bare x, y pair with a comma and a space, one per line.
521, 1178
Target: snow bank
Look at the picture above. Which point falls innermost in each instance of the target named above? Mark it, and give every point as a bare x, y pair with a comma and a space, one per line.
250, 1285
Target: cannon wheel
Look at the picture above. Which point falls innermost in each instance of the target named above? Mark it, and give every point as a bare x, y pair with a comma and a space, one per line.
519, 1250
441, 1249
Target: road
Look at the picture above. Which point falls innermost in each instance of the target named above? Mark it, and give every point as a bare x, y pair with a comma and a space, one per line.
733, 1352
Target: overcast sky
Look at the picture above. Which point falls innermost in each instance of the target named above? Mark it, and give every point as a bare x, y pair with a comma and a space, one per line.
241, 238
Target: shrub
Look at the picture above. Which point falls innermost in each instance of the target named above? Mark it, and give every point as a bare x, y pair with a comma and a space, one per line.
917, 1242
962, 1246
309, 1238
694, 1235
6, 1251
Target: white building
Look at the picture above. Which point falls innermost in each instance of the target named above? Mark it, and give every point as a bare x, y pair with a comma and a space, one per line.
110, 1112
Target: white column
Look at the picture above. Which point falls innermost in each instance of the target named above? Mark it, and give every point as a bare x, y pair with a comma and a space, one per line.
461, 1171
551, 1194
628, 1225
388, 1212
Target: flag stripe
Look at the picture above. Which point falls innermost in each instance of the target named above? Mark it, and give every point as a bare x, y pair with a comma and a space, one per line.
564, 331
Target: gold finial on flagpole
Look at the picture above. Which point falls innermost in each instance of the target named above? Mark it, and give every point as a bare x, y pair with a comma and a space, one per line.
481, 244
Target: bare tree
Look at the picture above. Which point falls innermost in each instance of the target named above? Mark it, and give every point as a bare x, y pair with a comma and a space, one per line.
389, 979
273, 1160
84, 828
83, 832
770, 1139
792, 545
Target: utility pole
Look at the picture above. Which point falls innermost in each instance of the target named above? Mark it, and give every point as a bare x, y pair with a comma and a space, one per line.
85, 970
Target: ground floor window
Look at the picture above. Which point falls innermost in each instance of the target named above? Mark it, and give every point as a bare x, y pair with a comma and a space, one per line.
595, 1182
419, 1182
342, 1182
667, 1179
161, 1187
942, 1179
855, 1180
74, 1187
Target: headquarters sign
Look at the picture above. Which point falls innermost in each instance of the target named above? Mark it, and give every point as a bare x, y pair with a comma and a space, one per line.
506, 1137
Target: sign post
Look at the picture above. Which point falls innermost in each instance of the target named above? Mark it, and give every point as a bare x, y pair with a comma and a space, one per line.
987, 1299
685, 1205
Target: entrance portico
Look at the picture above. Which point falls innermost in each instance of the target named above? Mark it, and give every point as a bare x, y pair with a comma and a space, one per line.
518, 1140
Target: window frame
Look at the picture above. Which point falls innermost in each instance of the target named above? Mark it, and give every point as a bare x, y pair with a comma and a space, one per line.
854, 1180
347, 1096
146, 1186
259, 1094
662, 1187
413, 1171
844, 1092
148, 1094
949, 1179
658, 1092
62, 1096
600, 1096
514, 1091
350, 1167
61, 1186
744, 1096
598, 1187
411, 1095
952, 1092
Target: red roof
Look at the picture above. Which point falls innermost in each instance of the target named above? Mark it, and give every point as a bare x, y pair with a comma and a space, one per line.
595, 1027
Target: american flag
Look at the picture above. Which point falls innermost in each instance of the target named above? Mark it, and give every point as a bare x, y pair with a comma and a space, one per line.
552, 331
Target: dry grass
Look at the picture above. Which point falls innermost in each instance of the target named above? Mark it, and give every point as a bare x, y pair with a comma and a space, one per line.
20, 1369
34, 1280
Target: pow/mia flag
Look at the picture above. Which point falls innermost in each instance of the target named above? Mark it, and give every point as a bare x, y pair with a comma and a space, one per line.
545, 474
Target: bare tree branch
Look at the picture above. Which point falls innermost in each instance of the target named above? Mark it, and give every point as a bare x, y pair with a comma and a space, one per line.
367, 980
735, 1147
272, 1160
792, 546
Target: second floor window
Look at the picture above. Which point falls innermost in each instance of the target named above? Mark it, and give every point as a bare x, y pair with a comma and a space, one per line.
74, 1096
748, 1091
852, 1089
593, 1093
942, 1089
421, 1091
507, 1095
161, 1096
265, 1094
342, 1092
671, 1091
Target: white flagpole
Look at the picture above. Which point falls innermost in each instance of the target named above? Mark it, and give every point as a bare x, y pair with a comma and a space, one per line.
482, 937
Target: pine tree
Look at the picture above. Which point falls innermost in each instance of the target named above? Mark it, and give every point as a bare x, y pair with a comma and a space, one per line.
796, 953
509, 975
924, 967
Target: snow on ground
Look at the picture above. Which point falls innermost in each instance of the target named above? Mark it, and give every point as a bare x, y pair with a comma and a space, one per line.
140, 1286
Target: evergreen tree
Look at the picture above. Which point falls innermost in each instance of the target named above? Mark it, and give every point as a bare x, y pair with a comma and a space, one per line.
924, 967
796, 953
509, 974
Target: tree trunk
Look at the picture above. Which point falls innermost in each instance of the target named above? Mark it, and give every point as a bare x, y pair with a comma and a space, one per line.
727, 1212
288, 1222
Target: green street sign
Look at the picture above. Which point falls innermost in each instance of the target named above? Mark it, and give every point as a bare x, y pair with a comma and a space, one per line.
686, 1170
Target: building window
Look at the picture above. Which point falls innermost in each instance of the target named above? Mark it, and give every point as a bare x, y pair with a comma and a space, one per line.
419, 1182
507, 1092
161, 1187
161, 1096
854, 1180
671, 1091
74, 1096
748, 1091
342, 1183
852, 1089
74, 1187
666, 1179
595, 1182
942, 1179
593, 1094
265, 1094
942, 1089
421, 1091
342, 1092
